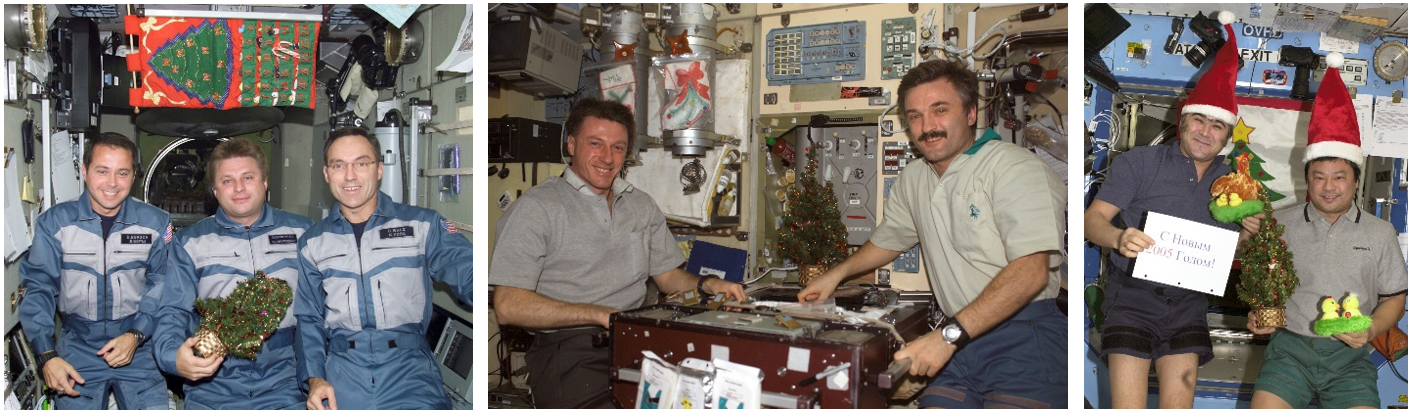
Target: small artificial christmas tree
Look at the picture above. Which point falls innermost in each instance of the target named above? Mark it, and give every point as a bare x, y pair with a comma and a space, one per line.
812, 234
1267, 275
239, 323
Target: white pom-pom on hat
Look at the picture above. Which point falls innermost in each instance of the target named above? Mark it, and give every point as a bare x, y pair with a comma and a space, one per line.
1225, 17
1334, 59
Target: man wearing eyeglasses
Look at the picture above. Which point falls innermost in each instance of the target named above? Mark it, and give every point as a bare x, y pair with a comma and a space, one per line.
364, 296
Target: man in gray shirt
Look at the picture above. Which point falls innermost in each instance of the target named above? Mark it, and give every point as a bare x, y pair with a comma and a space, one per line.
574, 250
1337, 249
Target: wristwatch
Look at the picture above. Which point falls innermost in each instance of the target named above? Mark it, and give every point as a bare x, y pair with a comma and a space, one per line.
45, 357
701, 282
953, 333
138, 334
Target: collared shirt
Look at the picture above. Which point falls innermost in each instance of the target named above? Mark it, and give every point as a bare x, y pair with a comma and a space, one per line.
996, 203
210, 259
1163, 180
561, 241
89, 278
1358, 253
350, 291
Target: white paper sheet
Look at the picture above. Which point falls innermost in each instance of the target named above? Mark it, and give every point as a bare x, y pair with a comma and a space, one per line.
460, 58
17, 239
1333, 44
397, 14
1186, 254
1389, 131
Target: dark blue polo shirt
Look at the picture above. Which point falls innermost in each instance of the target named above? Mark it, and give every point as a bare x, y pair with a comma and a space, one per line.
1161, 179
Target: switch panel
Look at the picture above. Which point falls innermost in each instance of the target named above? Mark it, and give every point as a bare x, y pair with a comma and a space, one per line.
910, 261
847, 158
896, 155
899, 47
830, 52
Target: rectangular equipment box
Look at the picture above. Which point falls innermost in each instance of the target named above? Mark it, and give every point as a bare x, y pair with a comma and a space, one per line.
525, 140
528, 52
676, 332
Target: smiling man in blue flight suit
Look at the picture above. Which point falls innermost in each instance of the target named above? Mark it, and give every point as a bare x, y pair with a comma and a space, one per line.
210, 259
364, 298
100, 260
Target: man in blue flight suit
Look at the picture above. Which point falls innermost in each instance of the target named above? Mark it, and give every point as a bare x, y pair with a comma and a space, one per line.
364, 298
100, 260
210, 259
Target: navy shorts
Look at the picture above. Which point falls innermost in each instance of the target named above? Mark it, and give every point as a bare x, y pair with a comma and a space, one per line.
1148, 320
1021, 363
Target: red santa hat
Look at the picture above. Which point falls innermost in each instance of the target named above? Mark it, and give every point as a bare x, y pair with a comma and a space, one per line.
1333, 127
1214, 95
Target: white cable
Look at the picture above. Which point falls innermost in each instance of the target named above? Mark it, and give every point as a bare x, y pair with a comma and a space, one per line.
968, 52
883, 127
768, 271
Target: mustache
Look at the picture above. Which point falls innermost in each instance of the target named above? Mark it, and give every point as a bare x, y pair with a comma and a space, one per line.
932, 134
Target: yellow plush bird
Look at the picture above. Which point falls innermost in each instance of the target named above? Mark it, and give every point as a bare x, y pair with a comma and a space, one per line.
1350, 306
1338, 319
1329, 307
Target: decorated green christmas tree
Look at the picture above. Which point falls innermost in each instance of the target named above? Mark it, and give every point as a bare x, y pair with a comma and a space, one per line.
1267, 275
239, 323
812, 234
1241, 139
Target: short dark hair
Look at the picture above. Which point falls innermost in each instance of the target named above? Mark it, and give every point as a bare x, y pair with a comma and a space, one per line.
960, 76
236, 148
1181, 124
353, 131
1356, 170
607, 110
113, 139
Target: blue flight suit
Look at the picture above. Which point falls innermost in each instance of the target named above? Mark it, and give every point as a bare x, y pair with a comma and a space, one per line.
102, 287
210, 260
364, 309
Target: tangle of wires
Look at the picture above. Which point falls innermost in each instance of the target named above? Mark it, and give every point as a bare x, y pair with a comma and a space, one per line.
505, 371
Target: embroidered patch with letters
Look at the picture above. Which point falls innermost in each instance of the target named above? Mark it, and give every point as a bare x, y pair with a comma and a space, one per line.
396, 232
280, 239
137, 238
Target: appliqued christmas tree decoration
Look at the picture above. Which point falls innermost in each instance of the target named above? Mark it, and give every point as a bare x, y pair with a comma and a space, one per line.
1341, 318
1267, 275
1236, 194
239, 323
812, 233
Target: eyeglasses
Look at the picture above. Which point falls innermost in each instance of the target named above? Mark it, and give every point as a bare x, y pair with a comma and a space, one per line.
360, 166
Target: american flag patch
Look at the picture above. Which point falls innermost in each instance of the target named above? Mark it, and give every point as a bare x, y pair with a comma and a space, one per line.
168, 237
449, 227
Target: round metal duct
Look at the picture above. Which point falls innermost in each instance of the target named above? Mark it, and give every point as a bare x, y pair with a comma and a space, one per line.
403, 45
25, 26
175, 181
208, 123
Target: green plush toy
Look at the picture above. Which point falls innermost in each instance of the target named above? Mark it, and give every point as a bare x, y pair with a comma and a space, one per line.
1338, 319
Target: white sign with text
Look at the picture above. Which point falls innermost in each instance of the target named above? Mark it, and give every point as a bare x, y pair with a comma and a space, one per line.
1187, 254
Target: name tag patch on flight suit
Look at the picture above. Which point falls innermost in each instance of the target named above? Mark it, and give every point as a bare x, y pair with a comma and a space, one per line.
398, 232
137, 238
279, 239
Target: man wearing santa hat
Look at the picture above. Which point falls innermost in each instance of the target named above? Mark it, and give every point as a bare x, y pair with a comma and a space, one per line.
1337, 249
1147, 321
